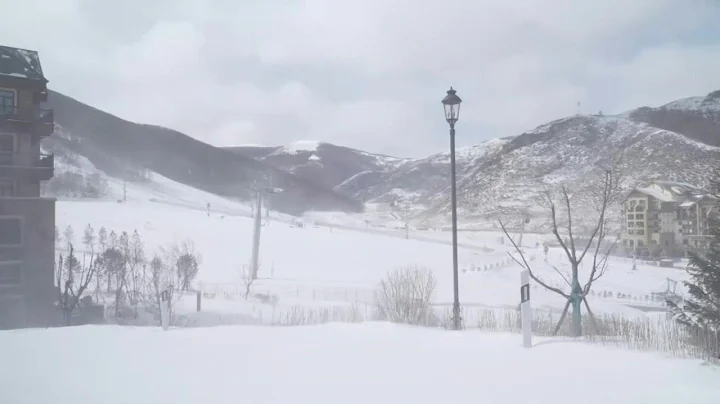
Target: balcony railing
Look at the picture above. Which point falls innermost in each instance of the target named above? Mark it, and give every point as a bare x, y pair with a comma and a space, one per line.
27, 166
27, 160
41, 121
42, 115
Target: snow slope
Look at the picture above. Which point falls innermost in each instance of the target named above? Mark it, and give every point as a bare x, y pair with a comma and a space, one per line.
338, 363
295, 260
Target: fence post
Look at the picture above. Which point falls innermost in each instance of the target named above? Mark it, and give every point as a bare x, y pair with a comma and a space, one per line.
525, 309
165, 309
198, 301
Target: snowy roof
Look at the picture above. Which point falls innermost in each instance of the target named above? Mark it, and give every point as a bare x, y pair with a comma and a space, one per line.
20, 63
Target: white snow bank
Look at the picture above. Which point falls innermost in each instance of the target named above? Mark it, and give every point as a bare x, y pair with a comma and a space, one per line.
337, 363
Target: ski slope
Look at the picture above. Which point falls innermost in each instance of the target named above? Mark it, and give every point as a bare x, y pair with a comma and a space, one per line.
303, 264
335, 363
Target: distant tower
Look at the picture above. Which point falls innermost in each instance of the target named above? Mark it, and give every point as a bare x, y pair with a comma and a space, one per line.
579, 111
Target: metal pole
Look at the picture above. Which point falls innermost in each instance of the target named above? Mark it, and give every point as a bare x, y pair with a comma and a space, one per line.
254, 261
457, 321
525, 309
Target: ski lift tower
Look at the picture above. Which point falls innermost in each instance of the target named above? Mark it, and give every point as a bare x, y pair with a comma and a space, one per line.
255, 258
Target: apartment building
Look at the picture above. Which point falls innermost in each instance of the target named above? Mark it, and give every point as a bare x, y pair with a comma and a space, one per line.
666, 219
27, 221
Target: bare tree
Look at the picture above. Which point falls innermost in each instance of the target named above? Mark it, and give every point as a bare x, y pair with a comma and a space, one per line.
102, 239
186, 261
601, 196
89, 238
160, 278
405, 295
75, 278
110, 247
247, 279
134, 281
69, 235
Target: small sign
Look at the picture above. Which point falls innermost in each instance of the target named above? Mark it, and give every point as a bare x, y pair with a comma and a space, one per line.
524, 293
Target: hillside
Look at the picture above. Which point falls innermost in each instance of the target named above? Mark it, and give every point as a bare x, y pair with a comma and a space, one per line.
325, 164
126, 150
414, 183
504, 176
695, 117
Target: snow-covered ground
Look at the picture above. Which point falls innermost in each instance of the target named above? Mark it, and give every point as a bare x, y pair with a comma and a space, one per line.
336, 363
337, 263
345, 265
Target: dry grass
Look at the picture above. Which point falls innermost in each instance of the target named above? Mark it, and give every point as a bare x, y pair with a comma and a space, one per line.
643, 334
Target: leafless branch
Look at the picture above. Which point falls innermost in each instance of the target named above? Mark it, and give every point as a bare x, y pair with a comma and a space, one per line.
555, 230
561, 275
526, 266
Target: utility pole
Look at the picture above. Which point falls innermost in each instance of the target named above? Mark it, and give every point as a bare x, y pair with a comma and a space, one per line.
124, 190
257, 226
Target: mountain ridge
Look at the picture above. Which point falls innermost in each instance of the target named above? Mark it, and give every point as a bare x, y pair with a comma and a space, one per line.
498, 176
495, 177
122, 148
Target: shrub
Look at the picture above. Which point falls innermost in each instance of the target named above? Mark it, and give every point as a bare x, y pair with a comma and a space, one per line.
404, 296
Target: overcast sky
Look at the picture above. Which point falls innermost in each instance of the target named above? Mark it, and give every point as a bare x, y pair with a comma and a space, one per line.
368, 73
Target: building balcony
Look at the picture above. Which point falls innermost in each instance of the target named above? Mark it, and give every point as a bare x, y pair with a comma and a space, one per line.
32, 167
37, 121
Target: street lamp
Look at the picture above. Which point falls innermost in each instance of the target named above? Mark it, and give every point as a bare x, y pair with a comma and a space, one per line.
451, 104
255, 258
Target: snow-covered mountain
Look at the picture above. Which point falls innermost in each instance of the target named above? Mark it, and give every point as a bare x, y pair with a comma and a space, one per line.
695, 117
123, 149
326, 164
504, 176
677, 141
413, 185
570, 151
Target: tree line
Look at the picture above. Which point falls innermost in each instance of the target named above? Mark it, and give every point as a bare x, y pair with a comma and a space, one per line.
114, 270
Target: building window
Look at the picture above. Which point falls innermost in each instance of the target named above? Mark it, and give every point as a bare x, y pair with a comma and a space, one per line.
7, 143
10, 231
7, 187
7, 102
10, 273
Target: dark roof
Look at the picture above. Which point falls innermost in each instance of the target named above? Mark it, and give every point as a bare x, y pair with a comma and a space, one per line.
20, 63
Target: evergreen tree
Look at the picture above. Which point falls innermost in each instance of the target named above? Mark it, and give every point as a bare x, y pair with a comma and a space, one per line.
702, 309
701, 312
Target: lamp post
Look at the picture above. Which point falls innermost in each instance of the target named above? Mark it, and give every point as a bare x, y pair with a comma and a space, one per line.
451, 104
255, 258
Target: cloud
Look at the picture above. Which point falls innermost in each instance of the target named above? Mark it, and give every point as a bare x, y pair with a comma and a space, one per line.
367, 74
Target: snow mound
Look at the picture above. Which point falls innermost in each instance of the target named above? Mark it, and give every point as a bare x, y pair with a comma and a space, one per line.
387, 364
